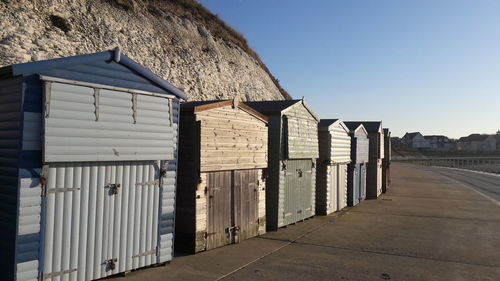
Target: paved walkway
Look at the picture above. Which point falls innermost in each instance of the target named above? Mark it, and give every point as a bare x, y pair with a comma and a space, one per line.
426, 227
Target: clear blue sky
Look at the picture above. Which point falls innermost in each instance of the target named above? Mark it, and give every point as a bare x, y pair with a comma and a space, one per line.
419, 65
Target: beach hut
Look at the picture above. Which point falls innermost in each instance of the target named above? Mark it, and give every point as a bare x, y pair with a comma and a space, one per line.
375, 156
386, 162
331, 175
222, 159
87, 167
356, 184
293, 152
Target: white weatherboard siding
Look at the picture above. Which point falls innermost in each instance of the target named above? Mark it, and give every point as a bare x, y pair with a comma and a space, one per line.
84, 124
340, 151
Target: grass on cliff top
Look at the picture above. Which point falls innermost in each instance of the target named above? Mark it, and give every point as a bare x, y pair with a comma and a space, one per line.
196, 12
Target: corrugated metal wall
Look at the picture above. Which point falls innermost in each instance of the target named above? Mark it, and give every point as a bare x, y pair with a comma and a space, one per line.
85, 124
10, 135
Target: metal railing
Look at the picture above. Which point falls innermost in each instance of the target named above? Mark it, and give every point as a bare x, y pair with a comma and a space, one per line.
483, 164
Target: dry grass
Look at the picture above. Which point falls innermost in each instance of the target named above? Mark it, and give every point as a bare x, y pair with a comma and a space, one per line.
196, 12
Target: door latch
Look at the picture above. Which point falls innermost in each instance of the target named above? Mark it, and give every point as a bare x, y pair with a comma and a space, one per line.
299, 171
110, 264
113, 188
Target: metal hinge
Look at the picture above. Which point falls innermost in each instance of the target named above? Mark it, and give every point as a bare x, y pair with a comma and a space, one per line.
43, 276
207, 234
155, 251
283, 166
153, 182
164, 169
43, 179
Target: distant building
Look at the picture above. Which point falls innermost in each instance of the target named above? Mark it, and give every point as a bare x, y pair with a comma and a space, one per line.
497, 136
415, 140
396, 142
438, 142
477, 143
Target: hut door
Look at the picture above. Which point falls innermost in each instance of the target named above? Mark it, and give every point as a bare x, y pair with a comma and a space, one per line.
298, 191
232, 207
342, 186
362, 182
356, 187
334, 187
219, 219
99, 218
379, 177
246, 200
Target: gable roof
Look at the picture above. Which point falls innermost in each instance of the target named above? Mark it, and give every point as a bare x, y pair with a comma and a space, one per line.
411, 135
324, 124
269, 107
106, 68
199, 106
274, 107
370, 126
475, 137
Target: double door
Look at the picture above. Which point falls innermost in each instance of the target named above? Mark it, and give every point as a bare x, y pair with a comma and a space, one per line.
299, 190
99, 218
233, 201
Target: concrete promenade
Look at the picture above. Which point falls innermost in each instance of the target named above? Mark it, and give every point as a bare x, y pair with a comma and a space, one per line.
426, 227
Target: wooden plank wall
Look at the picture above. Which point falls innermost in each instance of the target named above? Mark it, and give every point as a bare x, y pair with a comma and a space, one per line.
231, 139
302, 133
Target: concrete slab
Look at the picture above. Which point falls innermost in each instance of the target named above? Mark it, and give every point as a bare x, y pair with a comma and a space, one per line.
425, 227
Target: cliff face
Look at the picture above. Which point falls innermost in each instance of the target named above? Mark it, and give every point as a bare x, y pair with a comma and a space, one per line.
161, 35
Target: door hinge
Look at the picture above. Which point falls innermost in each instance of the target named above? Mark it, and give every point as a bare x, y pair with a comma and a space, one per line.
153, 182
44, 276
207, 234
164, 169
155, 251
43, 179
